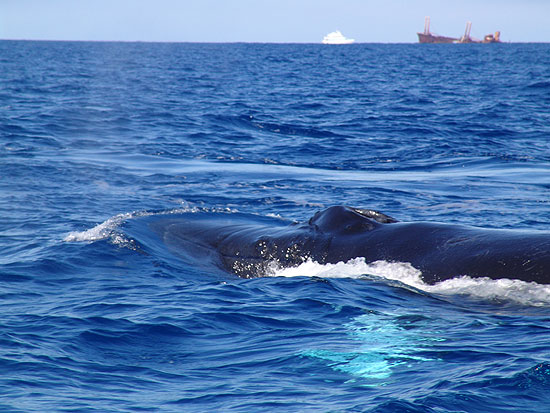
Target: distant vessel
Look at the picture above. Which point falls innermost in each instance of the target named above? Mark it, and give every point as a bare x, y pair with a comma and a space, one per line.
428, 37
490, 38
336, 38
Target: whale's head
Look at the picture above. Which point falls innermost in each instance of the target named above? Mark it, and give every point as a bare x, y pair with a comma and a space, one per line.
347, 220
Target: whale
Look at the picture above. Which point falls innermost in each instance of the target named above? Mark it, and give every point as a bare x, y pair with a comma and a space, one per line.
247, 244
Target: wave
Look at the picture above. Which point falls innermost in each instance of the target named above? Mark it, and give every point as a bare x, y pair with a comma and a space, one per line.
110, 228
542, 84
105, 230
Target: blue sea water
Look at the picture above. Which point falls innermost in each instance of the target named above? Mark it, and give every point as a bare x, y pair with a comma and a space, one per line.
94, 136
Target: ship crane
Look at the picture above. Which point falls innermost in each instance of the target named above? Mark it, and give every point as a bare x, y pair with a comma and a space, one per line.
466, 38
427, 25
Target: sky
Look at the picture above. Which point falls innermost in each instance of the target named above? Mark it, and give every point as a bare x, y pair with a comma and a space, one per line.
280, 21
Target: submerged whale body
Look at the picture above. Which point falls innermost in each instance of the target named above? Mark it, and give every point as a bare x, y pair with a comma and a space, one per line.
245, 244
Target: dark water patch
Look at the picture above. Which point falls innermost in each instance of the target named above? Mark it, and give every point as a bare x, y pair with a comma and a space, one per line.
542, 84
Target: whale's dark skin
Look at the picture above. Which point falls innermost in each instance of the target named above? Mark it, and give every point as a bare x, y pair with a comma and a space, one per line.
246, 244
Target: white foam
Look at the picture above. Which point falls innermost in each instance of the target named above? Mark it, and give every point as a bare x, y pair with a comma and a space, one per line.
525, 293
108, 229
101, 231
354, 268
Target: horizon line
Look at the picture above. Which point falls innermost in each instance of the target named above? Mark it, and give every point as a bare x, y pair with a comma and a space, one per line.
234, 42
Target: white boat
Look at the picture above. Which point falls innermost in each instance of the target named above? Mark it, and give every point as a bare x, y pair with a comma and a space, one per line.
336, 38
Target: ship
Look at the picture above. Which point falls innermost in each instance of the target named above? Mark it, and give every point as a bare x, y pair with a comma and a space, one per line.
490, 38
336, 38
428, 37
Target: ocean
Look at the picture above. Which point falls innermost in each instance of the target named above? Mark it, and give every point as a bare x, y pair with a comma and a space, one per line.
96, 138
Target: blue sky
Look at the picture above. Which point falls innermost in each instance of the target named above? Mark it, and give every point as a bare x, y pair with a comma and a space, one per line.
269, 20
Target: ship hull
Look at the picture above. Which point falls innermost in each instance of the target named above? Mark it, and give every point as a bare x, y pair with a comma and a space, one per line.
430, 38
